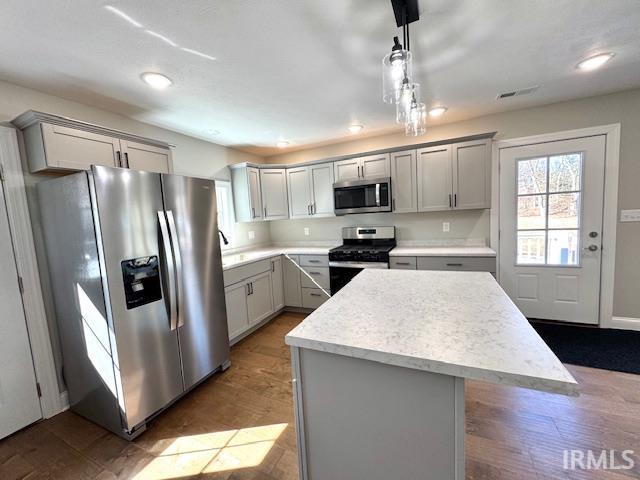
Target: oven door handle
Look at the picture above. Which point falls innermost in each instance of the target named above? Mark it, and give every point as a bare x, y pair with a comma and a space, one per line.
378, 265
377, 194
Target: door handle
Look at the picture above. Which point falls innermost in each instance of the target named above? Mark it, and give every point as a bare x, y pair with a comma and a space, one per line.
358, 171
175, 245
126, 159
393, 204
265, 212
315, 294
171, 272
309, 209
313, 208
450, 204
250, 288
454, 264
403, 263
273, 266
118, 159
455, 200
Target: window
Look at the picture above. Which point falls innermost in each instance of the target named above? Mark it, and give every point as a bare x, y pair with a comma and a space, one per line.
226, 216
548, 206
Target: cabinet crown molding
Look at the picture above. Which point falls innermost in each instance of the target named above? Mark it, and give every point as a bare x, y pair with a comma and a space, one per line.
31, 117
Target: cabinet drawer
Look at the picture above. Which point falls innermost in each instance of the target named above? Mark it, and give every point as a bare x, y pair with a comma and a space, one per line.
402, 263
313, 297
314, 260
466, 264
319, 274
238, 274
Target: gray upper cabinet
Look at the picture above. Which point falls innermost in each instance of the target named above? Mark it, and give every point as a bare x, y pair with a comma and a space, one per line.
149, 158
346, 170
404, 183
273, 185
55, 143
456, 176
375, 166
434, 179
472, 174
299, 190
321, 179
362, 168
247, 197
310, 191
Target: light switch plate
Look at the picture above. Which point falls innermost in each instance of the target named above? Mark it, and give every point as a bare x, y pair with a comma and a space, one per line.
445, 226
306, 231
630, 215
252, 234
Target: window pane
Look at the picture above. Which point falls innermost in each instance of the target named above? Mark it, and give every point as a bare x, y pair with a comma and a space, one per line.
532, 176
563, 247
565, 172
564, 210
531, 248
532, 212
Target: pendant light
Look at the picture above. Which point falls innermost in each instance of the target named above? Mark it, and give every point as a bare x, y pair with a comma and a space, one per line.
398, 86
416, 119
396, 70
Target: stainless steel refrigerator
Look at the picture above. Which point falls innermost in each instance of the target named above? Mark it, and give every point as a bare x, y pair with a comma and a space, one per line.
136, 276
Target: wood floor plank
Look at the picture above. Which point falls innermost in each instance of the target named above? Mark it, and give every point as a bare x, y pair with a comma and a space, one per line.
239, 425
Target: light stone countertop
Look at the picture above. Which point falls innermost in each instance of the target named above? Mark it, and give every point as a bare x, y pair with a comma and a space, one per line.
233, 260
444, 251
454, 323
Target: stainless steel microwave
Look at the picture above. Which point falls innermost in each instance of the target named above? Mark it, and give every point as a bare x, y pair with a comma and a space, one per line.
362, 196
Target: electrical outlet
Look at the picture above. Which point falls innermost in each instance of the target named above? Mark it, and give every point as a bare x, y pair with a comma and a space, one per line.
252, 234
445, 226
306, 231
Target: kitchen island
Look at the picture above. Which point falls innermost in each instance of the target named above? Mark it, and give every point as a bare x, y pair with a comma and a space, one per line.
379, 372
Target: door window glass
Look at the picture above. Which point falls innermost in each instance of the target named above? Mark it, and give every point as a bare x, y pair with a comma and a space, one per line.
548, 200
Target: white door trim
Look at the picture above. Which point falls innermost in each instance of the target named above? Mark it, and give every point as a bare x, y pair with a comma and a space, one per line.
52, 402
610, 208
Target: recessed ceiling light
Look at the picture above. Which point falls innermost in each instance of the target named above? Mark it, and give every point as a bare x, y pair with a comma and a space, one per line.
282, 144
355, 128
437, 111
595, 62
156, 80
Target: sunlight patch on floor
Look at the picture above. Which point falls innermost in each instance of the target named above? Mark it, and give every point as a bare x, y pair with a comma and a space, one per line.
213, 452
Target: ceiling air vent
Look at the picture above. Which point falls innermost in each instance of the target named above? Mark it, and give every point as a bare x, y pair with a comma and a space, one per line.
517, 93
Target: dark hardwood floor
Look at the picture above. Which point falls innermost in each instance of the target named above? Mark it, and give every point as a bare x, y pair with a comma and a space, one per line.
240, 425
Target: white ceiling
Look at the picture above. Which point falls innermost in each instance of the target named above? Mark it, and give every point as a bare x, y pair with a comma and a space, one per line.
302, 70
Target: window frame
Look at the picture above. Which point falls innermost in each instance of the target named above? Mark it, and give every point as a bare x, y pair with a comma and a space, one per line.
546, 194
224, 190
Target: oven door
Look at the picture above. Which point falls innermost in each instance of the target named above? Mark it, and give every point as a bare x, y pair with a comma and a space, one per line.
341, 273
362, 196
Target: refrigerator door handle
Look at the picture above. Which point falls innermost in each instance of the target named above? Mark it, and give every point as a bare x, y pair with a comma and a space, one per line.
177, 258
171, 272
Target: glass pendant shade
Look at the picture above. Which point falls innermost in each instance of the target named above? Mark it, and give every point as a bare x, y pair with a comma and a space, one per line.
408, 93
417, 120
396, 67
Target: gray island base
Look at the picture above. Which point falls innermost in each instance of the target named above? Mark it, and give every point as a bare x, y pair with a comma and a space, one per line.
379, 372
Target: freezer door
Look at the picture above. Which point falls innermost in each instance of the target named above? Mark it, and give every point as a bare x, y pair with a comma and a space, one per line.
128, 228
202, 319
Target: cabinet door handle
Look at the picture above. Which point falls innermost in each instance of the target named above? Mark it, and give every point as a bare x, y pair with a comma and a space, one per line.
313, 208
126, 159
265, 212
393, 204
454, 264
273, 266
358, 171
403, 263
251, 288
118, 159
314, 261
455, 199
315, 294
315, 273
309, 209
450, 204
248, 290
253, 212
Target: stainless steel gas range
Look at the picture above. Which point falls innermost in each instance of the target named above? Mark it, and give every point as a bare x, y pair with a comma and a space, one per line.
363, 247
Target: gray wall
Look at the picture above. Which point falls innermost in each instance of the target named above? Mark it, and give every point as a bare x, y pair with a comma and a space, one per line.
622, 107
190, 157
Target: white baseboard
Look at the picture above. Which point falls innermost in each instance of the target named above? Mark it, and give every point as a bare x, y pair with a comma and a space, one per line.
625, 323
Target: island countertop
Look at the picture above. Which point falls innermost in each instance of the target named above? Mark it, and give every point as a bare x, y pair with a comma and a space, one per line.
454, 323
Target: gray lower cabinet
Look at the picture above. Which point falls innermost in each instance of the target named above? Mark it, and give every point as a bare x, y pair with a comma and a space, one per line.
466, 264
402, 263
316, 276
292, 286
237, 315
277, 283
259, 298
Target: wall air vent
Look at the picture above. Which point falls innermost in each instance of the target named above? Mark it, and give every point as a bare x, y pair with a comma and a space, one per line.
517, 93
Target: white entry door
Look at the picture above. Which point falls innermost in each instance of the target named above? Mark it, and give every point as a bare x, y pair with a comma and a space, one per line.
551, 201
19, 403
